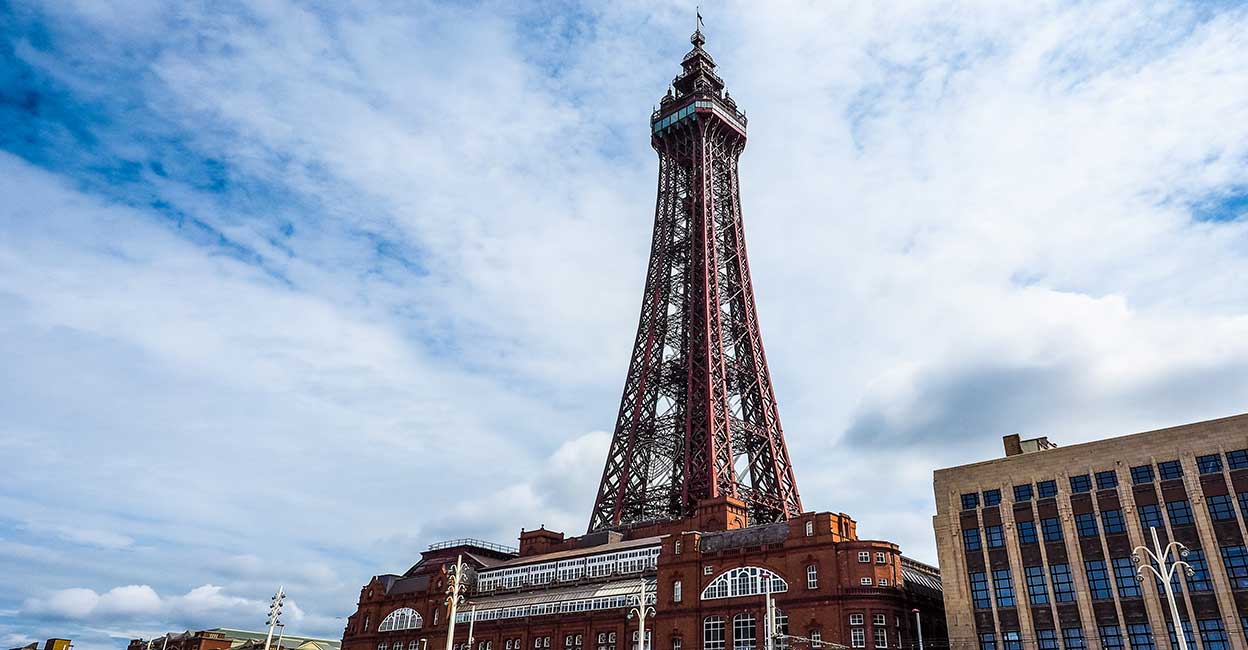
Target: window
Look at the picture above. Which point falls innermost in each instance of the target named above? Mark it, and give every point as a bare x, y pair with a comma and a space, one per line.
866, 582
1052, 528
812, 577
706, 570
1220, 507
383, 645
979, 590
996, 538
864, 556
676, 591
1022, 492
1046, 640
992, 497
881, 557
810, 528
1141, 474
1111, 637
676, 550
881, 637
1010, 640
1037, 588
883, 582
676, 643
1106, 480
1080, 483
635, 645
1170, 469
1125, 577
1003, 585
413, 645
1199, 580
857, 637
1027, 532
744, 581
1141, 637
1150, 516
713, 633
1085, 523
436, 615
1063, 585
1112, 522
1180, 512
987, 641
970, 501
1046, 489
816, 639
1211, 464
1187, 634
1098, 580
1243, 503
855, 619
970, 539
879, 619
781, 623
404, 618
1213, 634
1235, 559
1237, 459
1072, 639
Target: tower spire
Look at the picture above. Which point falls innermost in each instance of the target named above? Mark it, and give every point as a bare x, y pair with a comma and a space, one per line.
698, 417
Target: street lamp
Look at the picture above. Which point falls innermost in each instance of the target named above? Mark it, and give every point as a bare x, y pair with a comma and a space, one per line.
918, 622
472, 621
641, 610
1160, 556
454, 597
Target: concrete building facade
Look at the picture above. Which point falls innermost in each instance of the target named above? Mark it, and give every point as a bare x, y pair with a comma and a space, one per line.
1035, 548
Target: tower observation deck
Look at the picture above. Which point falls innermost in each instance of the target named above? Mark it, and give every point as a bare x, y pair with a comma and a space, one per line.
698, 417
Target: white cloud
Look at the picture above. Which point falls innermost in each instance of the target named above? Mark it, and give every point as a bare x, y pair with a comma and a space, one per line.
965, 219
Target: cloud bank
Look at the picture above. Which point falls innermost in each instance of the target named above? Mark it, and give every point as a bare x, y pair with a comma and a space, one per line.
289, 291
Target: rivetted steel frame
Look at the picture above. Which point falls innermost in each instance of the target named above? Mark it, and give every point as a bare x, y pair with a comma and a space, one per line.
698, 417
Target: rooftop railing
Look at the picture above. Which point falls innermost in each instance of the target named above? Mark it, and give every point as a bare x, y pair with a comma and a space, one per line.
478, 543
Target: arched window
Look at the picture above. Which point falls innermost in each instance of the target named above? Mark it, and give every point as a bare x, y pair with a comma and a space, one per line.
404, 618
413, 645
743, 581
713, 633
744, 632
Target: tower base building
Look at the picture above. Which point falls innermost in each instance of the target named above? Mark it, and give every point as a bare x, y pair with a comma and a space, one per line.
706, 578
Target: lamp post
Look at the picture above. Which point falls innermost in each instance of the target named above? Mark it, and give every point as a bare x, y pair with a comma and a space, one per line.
1166, 571
770, 633
918, 623
472, 621
458, 574
641, 610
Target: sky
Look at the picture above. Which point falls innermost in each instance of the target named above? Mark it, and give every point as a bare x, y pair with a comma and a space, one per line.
289, 291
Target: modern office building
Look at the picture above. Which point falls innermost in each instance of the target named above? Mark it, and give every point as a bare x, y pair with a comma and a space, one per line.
1036, 548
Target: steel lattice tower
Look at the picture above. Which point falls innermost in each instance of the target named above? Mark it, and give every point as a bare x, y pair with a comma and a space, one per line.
698, 418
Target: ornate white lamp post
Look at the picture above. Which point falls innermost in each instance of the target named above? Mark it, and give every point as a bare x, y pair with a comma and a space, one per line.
1166, 560
453, 599
641, 610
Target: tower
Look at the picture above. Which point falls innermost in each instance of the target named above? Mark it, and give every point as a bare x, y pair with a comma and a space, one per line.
698, 418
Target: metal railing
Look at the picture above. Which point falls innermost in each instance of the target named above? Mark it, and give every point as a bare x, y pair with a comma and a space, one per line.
471, 541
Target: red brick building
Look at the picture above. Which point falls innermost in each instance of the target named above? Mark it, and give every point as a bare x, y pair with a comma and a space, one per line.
705, 577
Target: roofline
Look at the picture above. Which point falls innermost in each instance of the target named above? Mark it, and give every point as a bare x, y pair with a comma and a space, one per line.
1084, 445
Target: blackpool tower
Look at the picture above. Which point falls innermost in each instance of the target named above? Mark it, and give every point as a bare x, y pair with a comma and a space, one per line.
698, 418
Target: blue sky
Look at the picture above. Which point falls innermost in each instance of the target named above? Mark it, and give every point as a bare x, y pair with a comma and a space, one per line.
289, 291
